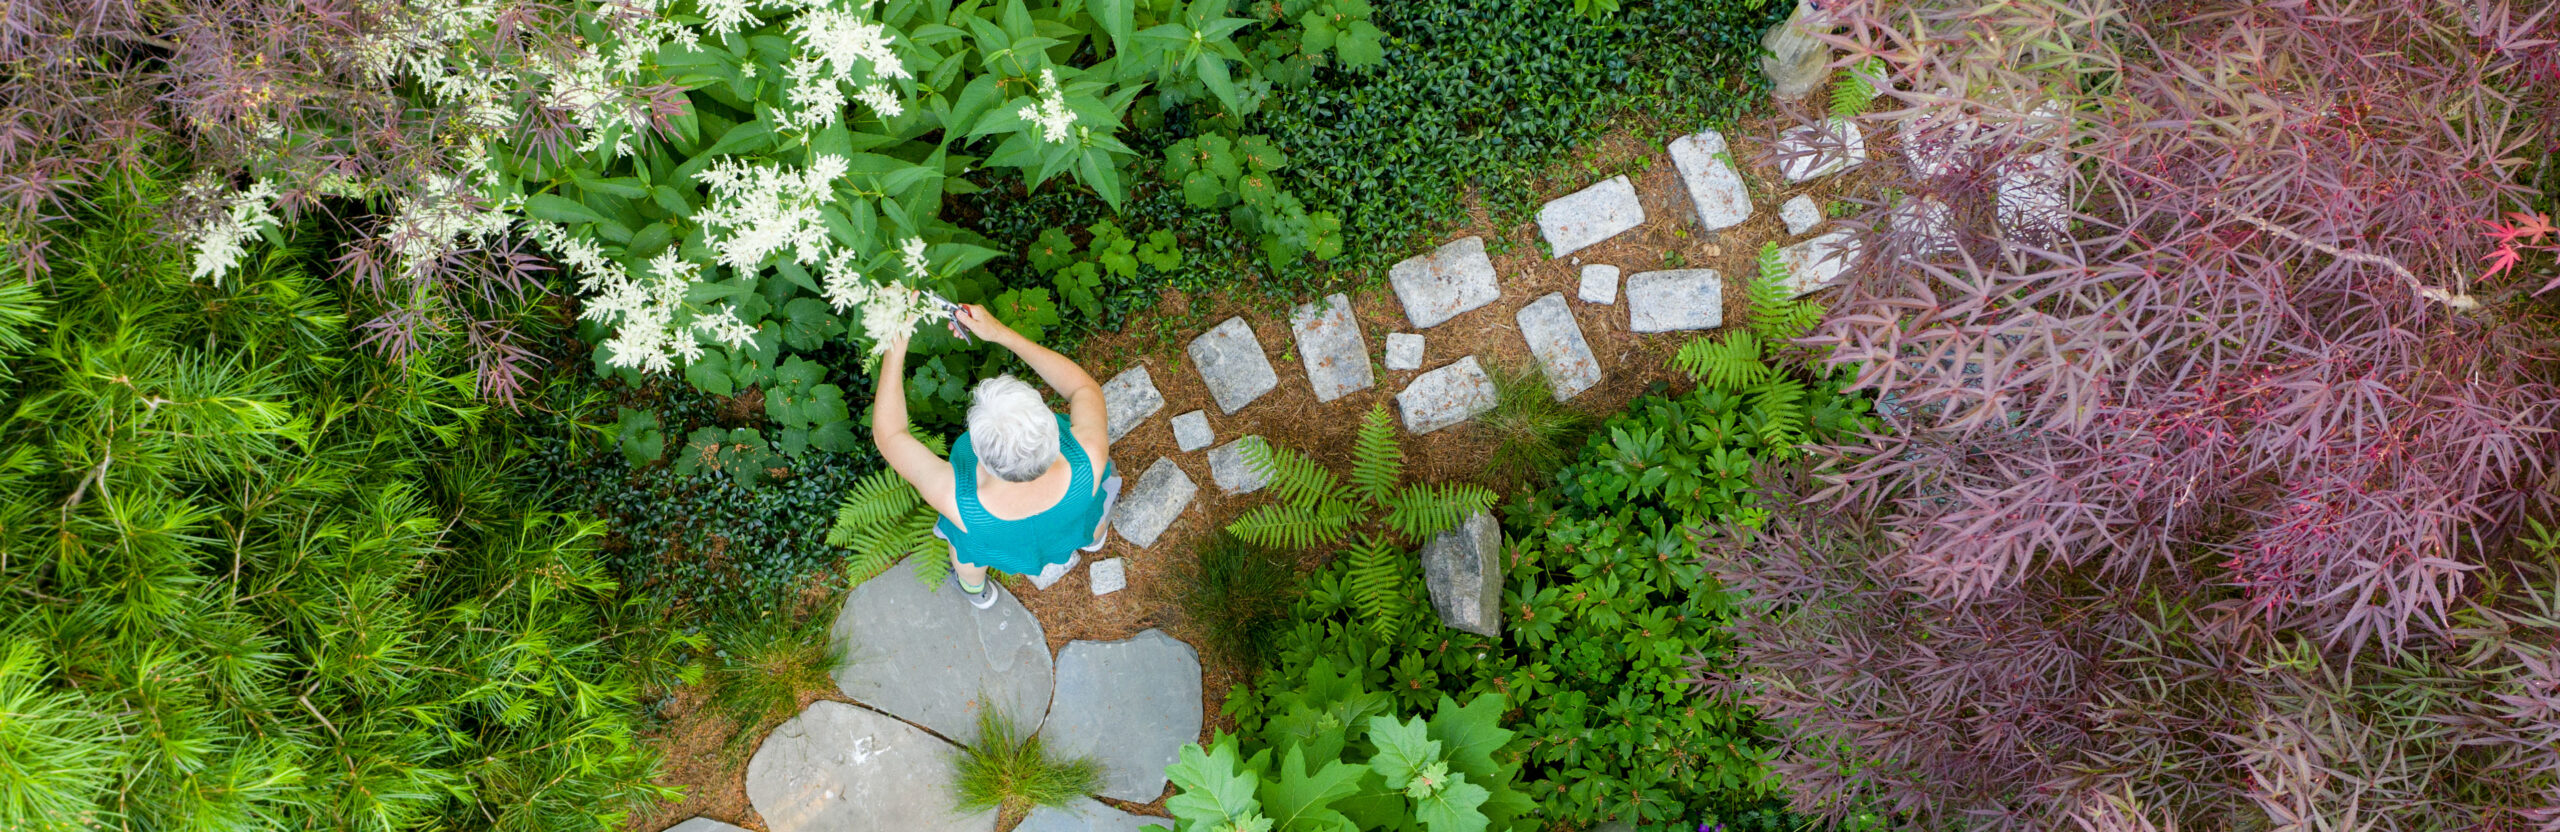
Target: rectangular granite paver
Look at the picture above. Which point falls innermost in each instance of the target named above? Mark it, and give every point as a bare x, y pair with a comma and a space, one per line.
1128, 399
1678, 299
1231, 363
1154, 503
1445, 396
1452, 280
1329, 344
1715, 189
1584, 218
1556, 339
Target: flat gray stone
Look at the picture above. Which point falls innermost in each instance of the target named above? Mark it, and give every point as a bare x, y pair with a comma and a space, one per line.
1085, 814
1445, 396
1599, 284
703, 825
1232, 472
1806, 152
1053, 573
1462, 568
1128, 399
1109, 575
1716, 190
1797, 62
1231, 362
1329, 344
1587, 217
1160, 496
1130, 705
1191, 431
2031, 200
839, 768
923, 655
1800, 214
1556, 339
1404, 351
1817, 262
1452, 280
1679, 299
1928, 222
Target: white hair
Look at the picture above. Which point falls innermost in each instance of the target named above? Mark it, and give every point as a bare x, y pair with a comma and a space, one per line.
1011, 429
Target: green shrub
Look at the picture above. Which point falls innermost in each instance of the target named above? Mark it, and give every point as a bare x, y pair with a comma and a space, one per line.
260, 578
1006, 770
1237, 595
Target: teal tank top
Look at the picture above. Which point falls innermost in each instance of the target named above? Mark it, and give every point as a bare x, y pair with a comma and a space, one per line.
1026, 545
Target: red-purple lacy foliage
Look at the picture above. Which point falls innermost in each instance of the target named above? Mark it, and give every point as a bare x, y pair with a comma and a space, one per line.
2250, 402
92, 84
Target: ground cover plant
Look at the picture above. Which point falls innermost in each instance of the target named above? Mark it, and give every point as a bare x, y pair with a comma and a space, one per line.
1008, 770
2218, 437
260, 578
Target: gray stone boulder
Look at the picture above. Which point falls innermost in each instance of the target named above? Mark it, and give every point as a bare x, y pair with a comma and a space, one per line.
1462, 568
1231, 362
703, 825
1452, 280
839, 768
1796, 63
1679, 299
1556, 339
925, 656
1085, 814
1128, 399
1404, 351
1589, 216
1807, 152
1152, 505
1191, 431
1130, 705
1815, 263
1445, 396
1329, 344
1229, 468
1716, 190
1599, 284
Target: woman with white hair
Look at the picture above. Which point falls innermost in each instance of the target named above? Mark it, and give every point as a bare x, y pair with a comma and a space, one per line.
1025, 490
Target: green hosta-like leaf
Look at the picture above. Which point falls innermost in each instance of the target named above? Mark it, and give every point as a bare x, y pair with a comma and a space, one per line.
560, 209
1301, 801
1216, 790
710, 373
1362, 45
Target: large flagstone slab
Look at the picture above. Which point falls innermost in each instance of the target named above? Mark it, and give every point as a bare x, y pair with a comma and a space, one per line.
839, 768
924, 655
1130, 705
1085, 814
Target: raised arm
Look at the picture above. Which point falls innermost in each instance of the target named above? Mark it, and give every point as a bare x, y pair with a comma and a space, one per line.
1083, 394
931, 475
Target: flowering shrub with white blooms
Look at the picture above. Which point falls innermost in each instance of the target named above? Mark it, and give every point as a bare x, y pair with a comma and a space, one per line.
1051, 112
757, 211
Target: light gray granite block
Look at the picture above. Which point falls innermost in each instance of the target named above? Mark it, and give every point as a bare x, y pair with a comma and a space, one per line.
921, 654
1149, 508
1817, 262
1556, 339
1191, 431
1232, 364
1679, 299
1404, 351
1445, 396
1587, 217
1108, 575
1130, 705
1599, 284
1800, 214
1806, 152
704, 825
838, 767
1452, 280
1128, 399
1229, 468
1329, 344
1715, 188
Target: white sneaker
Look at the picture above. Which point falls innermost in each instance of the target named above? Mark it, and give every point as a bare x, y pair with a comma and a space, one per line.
984, 598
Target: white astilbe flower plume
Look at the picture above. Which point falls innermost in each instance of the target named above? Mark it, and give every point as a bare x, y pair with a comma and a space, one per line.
217, 239
725, 327
842, 38
756, 211
912, 253
881, 100
814, 92
1051, 112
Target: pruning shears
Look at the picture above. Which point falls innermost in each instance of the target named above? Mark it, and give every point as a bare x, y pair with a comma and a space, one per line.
949, 311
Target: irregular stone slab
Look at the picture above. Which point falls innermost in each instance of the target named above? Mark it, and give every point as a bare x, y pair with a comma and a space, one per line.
1109, 575
1800, 214
1235, 475
1584, 218
1130, 705
1556, 339
1445, 396
1806, 152
1085, 814
923, 655
1928, 222
1678, 299
2030, 198
1160, 496
1452, 280
839, 768
1716, 191
1814, 263
1329, 344
703, 825
1797, 62
1462, 568
1231, 362
1191, 431
1404, 351
1128, 399
1599, 285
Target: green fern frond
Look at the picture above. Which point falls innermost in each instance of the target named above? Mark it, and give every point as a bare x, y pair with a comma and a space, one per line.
1772, 311
1376, 463
931, 570
1420, 511
1780, 405
1293, 478
1857, 88
878, 498
1292, 526
1377, 585
1732, 363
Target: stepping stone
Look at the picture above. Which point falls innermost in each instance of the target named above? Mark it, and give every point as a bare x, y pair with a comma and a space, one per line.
1462, 569
1329, 344
1927, 221
703, 825
1404, 351
1160, 496
1814, 263
1445, 396
836, 768
1085, 814
1235, 475
1128, 399
1587, 217
1231, 362
1800, 214
922, 655
1715, 188
1191, 431
1806, 152
1673, 300
1599, 285
1109, 576
2030, 199
1556, 339
1130, 705
1452, 280
1050, 575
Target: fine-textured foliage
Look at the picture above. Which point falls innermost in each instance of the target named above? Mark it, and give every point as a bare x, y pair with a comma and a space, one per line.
884, 520
1236, 595
1534, 432
1315, 507
1007, 770
761, 666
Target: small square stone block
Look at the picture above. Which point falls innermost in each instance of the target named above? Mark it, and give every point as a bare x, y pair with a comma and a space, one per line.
1599, 284
1108, 575
1404, 351
1231, 363
1590, 216
1191, 431
1452, 280
1229, 468
1800, 214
